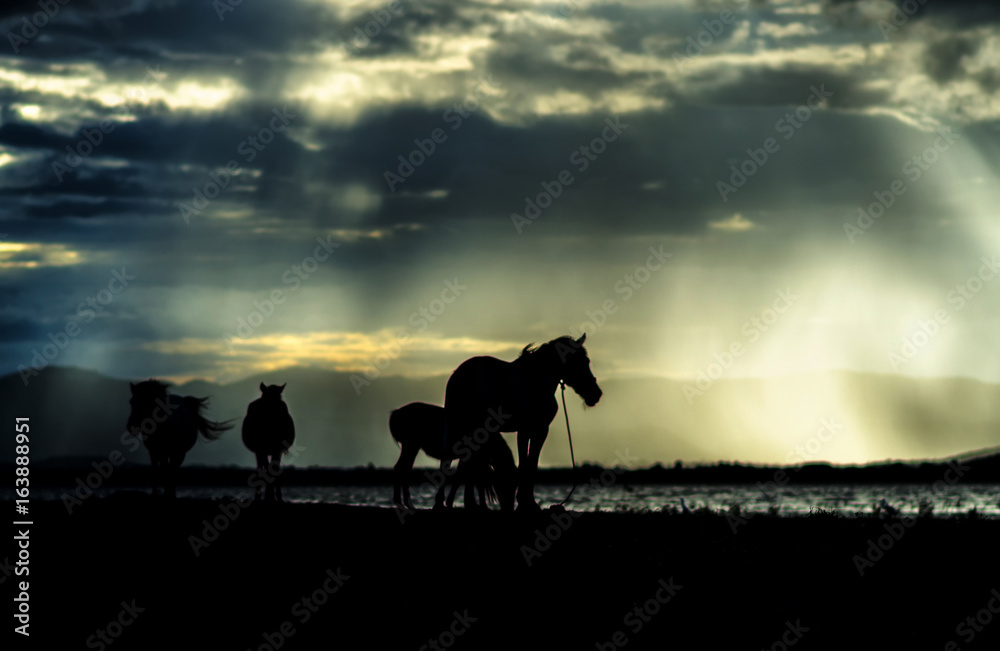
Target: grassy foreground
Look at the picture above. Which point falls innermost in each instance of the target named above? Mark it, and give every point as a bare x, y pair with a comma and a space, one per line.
218, 575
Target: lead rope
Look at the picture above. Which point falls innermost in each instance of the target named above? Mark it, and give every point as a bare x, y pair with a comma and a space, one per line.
570, 435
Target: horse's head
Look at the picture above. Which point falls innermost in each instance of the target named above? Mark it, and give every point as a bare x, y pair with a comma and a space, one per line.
271, 393
143, 402
575, 369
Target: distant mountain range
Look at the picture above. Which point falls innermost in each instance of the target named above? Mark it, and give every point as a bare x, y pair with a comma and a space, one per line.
844, 417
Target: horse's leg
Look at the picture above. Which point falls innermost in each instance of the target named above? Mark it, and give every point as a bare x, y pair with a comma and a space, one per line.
528, 467
502, 478
401, 475
472, 469
269, 478
276, 464
456, 481
522, 447
261, 474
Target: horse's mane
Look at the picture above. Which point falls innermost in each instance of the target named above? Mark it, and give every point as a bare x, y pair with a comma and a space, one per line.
565, 340
152, 386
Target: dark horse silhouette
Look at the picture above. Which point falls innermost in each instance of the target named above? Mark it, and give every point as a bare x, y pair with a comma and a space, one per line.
268, 432
486, 394
168, 425
419, 425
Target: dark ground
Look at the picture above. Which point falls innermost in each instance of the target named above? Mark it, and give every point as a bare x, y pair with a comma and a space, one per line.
406, 580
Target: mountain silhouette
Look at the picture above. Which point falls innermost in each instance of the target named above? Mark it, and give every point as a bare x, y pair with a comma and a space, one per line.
79, 413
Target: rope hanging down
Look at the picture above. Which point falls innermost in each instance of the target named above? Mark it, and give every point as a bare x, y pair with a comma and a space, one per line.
570, 435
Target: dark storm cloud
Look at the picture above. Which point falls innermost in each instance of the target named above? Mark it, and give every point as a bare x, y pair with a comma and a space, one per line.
669, 25
787, 86
37, 179
75, 208
211, 140
378, 31
15, 329
488, 169
943, 58
532, 68
965, 13
182, 27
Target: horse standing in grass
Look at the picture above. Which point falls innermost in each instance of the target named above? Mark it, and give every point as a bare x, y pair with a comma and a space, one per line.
168, 425
516, 396
419, 425
268, 432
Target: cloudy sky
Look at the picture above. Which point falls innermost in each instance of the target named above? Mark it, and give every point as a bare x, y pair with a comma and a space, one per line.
194, 189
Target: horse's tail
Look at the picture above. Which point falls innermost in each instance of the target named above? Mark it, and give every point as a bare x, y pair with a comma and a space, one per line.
397, 426
210, 429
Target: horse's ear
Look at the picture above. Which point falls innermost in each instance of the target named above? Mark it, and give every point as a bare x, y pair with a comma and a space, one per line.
262, 387
283, 387
582, 339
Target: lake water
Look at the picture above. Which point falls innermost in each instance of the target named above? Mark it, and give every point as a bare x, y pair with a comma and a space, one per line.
789, 500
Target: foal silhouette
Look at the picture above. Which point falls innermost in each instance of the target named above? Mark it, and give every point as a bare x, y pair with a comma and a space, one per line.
517, 396
168, 425
419, 425
268, 432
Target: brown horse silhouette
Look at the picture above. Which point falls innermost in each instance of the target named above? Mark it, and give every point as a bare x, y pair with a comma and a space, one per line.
168, 425
516, 396
419, 425
268, 432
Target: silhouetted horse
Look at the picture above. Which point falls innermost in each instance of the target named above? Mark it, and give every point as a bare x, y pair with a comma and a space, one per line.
268, 432
419, 425
488, 394
169, 426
